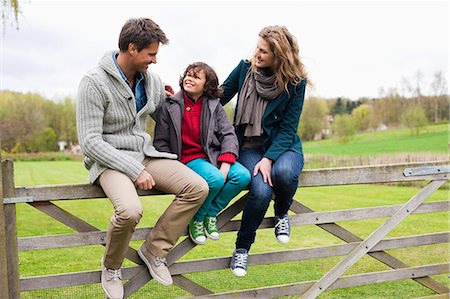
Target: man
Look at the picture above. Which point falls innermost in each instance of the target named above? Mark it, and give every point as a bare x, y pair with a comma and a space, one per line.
114, 100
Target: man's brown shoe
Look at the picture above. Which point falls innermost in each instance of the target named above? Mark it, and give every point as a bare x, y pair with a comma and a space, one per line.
112, 282
156, 265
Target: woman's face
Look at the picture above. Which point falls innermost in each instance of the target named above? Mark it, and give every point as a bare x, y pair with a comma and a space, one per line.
263, 55
194, 83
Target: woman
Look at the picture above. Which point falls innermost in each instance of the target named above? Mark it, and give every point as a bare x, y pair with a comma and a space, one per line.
193, 125
271, 88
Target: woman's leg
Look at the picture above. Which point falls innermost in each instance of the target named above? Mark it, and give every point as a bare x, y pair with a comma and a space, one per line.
260, 194
285, 173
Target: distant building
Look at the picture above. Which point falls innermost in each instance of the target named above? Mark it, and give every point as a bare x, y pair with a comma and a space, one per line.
382, 127
62, 145
75, 149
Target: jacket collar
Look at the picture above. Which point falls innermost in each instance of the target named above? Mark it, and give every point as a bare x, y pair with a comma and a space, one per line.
179, 98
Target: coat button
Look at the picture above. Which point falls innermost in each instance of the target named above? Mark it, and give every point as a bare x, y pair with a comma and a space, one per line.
188, 108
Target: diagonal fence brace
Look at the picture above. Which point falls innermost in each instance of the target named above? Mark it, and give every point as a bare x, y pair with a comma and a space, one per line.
365, 246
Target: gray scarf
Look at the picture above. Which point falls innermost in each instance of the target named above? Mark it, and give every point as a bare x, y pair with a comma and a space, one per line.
256, 91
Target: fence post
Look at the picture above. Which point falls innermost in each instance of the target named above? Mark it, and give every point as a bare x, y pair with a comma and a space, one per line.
9, 210
4, 290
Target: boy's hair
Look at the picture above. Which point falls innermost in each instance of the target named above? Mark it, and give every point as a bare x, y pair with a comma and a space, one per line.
141, 32
212, 89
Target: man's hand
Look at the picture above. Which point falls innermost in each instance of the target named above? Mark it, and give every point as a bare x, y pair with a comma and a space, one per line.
264, 166
169, 90
224, 169
145, 181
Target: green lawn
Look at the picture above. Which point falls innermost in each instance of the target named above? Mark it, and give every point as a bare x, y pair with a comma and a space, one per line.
97, 212
434, 139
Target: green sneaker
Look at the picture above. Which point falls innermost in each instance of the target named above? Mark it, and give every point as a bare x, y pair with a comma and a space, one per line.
211, 228
196, 232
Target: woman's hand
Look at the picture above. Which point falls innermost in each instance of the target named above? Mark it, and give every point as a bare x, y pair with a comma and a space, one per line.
145, 181
264, 166
224, 169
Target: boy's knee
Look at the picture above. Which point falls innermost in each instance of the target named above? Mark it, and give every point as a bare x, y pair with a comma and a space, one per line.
244, 177
216, 182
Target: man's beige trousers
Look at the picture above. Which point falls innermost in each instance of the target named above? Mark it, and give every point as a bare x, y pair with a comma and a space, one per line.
170, 176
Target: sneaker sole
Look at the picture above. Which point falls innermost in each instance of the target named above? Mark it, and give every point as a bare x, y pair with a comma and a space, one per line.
104, 290
283, 242
147, 263
195, 241
106, 293
211, 237
238, 275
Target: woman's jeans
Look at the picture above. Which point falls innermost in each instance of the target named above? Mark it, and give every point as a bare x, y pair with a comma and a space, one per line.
284, 174
221, 192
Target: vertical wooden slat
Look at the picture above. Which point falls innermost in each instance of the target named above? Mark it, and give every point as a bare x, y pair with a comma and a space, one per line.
365, 246
11, 231
4, 290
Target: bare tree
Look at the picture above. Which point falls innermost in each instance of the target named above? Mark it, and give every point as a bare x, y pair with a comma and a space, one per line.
438, 89
418, 77
9, 7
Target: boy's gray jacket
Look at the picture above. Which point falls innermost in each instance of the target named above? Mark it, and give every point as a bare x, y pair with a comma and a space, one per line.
216, 131
111, 134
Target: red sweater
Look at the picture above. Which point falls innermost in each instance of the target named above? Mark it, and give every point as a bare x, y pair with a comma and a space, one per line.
191, 147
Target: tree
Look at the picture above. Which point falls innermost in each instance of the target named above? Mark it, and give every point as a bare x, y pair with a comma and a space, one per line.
10, 7
313, 119
438, 89
339, 107
343, 127
415, 119
24, 116
45, 140
361, 117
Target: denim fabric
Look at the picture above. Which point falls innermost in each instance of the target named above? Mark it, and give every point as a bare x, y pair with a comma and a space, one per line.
138, 88
285, 173
221, 192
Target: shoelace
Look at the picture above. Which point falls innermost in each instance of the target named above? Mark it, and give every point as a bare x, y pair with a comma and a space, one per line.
160, 260
114, 274
240, 260
198, 226
282, 226
212, 224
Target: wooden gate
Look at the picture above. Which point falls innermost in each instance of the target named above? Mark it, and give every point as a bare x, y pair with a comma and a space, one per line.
42, 197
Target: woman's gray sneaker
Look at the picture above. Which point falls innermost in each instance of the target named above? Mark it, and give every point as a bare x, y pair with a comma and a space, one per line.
239, 262
282, 229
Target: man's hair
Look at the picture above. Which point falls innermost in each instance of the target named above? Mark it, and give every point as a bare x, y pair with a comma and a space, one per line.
141, 32
212, 89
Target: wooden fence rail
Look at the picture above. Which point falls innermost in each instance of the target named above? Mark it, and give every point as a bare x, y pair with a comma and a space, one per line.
42, 197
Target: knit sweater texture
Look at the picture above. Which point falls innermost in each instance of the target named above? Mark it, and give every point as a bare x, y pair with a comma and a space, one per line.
111, 133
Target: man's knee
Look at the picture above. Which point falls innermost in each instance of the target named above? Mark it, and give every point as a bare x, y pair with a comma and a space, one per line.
200, 188
128, 216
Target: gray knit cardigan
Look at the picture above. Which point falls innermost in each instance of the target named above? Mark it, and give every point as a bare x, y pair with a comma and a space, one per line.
111, 134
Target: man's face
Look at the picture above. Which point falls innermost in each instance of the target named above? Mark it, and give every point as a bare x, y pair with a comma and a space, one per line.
145, 57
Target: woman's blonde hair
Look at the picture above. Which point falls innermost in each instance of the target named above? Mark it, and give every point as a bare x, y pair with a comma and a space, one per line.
288, 67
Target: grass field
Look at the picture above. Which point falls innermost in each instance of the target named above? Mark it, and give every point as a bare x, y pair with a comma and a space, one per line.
97, 212
434, 139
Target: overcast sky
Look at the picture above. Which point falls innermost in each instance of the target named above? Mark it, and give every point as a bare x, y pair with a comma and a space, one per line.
351, 49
